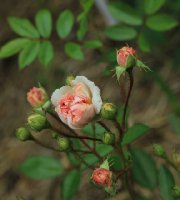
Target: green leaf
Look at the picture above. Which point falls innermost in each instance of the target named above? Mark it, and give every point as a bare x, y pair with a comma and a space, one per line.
120, 33
13, 47
116, 162
161, 22
89, 130
44, 22
93, 44
120, 71
143, 43
134, 132
125, 13
28, 54
152, 6
41, 167
175, 123
70, 184
144, 169
74, 51
83, 27
65, 23
166, 183
23, 27
46, 53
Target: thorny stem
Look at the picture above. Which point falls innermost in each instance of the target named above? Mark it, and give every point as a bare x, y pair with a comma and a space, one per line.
127, 99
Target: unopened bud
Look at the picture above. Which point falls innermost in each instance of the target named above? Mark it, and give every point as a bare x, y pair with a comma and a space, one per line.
69, 79
108, 138
159, 150
63, 143
37, 122
176, 191
108, 111
176, 159
37, 96
23, 134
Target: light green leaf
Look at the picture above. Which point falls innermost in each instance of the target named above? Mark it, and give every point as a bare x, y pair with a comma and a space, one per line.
152, 6
161, 22
125, 13
120, 71
70, 184
23, 27
141, 65
44, 22
83, 27
65, 23
144, 169
120, 33
46, 53
74, 51
134, 132
13, 47
28, 54
166, 183
93, 44
143, 43
41, 167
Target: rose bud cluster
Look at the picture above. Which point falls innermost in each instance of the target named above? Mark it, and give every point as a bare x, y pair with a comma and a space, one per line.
37, 97
102, 177
77, 103
126, 57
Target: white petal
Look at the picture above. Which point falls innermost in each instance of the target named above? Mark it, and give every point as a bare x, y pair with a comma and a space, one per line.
63, 119
58, 94
95, 91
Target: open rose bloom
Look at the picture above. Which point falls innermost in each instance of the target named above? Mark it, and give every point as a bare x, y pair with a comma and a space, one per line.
78, 103
37, 96
123, 53
102, 177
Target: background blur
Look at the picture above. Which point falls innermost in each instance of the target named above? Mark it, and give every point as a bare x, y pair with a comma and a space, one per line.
155, 97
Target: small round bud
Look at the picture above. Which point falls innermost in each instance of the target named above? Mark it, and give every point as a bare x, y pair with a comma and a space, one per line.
37, 122
176, 159
63, 143
54, 135
108, 138
102, 177
176, 191
37, 96
159, 150
23, 134
108, 111
69, 79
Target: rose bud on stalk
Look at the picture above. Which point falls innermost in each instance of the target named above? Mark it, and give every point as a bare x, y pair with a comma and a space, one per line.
37, 97
102, 177
108, 111
23, 134
78, 103
126, 57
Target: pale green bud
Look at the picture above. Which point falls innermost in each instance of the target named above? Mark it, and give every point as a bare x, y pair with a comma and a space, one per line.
108, 138
23, 134
63, 143
159, 150
108, 111
69, 79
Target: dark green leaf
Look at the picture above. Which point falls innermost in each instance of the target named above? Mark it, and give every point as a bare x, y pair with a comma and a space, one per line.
93, 44
13, 47
71, 184
23, 27
125, 13
141, 198
46, 53
44, 22
83, 27
161, 22
134, 133
144, 169
89, 130
120, 33
74, 51
65, 23
175, 123
166, 183
116, 162
152, 6
41, 167
28, 54
143, 43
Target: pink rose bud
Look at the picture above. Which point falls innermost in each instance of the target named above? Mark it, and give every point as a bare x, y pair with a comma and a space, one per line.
123, 53
102, 177
77, 103
37, 96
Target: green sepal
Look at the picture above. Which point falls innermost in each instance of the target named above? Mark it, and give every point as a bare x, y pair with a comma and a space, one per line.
120, 71
111, 190
105, 164
131, 61
141, 65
